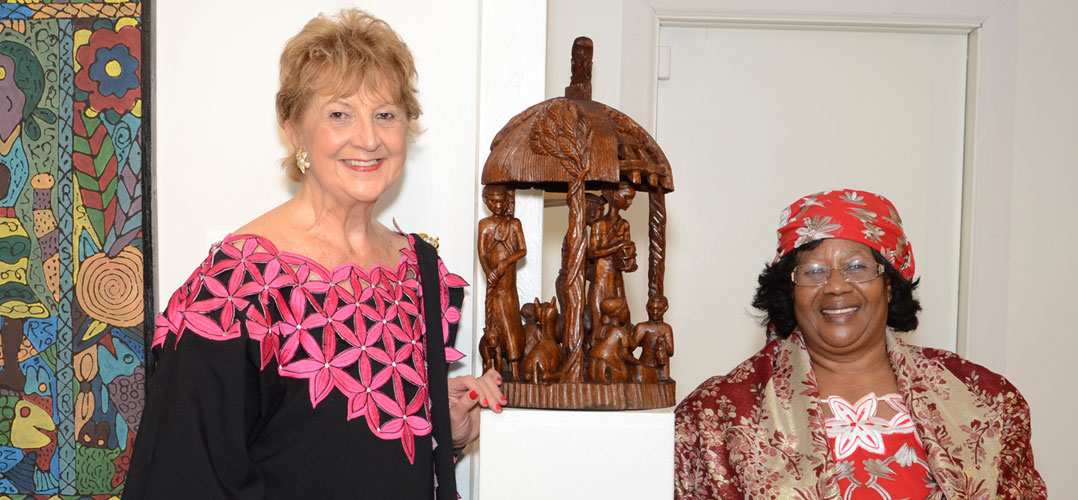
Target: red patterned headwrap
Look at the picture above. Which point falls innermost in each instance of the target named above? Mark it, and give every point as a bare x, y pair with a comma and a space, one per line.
850, 215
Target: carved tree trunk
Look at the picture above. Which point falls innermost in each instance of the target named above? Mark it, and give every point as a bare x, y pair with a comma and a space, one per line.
656, 243
574, 284
564, 134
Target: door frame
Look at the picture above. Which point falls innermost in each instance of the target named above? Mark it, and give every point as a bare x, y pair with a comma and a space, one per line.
988, 161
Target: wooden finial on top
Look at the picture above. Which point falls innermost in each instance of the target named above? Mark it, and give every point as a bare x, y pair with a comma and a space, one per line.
580, 82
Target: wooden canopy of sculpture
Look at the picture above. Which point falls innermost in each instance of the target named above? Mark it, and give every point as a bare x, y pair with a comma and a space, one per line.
572, 144
607, 146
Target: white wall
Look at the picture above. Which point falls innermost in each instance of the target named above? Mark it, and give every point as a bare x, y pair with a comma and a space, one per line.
1042, 336
512, 59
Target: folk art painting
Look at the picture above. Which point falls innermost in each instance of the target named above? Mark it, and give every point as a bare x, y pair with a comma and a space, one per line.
73, 246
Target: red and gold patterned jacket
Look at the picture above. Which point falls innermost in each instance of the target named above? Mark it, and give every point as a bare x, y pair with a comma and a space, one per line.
758, 431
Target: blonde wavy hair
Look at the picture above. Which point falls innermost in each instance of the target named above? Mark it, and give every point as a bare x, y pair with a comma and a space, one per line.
351, 51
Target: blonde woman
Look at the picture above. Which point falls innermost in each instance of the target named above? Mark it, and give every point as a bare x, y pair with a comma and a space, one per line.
306, 357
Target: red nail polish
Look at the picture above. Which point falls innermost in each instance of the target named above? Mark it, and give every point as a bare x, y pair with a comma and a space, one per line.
504, 400
473, 395
485, 402
499, 380
498, 407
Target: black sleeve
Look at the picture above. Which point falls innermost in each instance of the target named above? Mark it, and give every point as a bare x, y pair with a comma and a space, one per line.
201, 403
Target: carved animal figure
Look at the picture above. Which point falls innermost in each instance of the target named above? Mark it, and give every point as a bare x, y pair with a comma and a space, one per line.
490, 349
532, 332
543, 362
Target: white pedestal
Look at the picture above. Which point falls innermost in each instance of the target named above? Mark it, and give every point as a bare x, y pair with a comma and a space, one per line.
560, 454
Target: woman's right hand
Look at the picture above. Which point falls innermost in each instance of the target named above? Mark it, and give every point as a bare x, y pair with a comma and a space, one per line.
467, 395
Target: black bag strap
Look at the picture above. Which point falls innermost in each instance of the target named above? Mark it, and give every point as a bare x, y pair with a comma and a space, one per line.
437, 367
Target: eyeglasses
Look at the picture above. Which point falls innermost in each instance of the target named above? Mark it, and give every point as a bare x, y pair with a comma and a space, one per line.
854, 272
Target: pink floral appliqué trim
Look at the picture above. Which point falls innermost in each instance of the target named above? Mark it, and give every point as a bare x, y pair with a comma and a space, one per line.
370, 323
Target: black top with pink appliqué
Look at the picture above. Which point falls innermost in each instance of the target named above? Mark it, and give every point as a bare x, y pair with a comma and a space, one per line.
276, 377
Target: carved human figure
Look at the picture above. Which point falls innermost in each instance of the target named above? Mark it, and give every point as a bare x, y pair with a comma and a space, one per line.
543, 362
501, 245
611, 247
609, 358
580, 79
656, 338
580, 70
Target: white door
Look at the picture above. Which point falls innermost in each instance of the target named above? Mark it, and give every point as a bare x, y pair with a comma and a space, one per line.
751, 119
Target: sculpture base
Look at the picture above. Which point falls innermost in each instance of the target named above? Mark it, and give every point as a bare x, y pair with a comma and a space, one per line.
589, 396
576, 455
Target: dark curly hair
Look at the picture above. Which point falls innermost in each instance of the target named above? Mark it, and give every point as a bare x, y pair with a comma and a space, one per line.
775, 294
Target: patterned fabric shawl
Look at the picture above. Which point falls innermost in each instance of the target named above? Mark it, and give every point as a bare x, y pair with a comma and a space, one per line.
758, 431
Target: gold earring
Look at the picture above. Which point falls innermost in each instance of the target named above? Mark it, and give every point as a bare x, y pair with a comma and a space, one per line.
301, 160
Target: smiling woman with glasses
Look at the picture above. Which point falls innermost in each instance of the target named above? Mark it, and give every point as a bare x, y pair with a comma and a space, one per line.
836, 405
853, 272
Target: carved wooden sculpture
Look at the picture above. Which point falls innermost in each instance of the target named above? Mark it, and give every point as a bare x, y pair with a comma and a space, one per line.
501, 245
611, 247
609, 358
543, 361
593, 211
532, 332
574, 145
656, 340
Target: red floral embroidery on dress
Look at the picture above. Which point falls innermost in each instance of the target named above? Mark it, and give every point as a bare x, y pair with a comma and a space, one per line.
353, 330
876, 457
857, 426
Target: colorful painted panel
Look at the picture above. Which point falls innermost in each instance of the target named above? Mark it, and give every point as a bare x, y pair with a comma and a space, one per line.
72, 300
